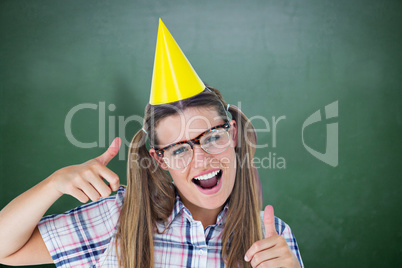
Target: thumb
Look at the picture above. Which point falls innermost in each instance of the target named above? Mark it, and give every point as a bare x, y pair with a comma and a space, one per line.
111, 152
269, 221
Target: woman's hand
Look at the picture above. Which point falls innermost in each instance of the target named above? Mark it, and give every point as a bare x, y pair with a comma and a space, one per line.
86, 181
25, 245
272, 251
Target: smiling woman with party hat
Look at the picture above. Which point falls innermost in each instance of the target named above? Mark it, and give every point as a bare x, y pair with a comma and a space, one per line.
192, 198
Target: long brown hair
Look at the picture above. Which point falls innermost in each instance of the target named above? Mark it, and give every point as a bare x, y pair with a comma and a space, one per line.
150, 194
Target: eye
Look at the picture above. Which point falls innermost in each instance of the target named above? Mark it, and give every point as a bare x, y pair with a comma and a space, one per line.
213, 138
179, 151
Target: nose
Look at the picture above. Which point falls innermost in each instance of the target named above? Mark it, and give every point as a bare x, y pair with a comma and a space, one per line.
199, 157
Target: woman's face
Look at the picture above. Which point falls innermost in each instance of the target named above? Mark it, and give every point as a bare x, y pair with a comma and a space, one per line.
188, 125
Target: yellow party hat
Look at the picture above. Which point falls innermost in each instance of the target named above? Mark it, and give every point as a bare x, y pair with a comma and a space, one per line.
173, 78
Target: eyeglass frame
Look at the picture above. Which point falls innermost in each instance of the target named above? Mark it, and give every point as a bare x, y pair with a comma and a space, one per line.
192, 142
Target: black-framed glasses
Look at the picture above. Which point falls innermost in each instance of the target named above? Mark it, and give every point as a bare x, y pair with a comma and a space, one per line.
213, 141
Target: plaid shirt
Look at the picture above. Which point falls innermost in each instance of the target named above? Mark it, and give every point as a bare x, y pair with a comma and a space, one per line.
85, 237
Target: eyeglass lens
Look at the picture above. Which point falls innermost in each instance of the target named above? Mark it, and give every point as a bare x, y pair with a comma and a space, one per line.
213, 142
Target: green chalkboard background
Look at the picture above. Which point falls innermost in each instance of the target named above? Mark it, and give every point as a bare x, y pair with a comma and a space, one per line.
282, 60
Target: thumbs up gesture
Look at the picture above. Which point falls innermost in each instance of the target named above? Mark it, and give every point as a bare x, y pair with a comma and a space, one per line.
272, 251
86, 181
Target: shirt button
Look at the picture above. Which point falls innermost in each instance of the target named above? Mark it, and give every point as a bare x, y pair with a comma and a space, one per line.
201, 252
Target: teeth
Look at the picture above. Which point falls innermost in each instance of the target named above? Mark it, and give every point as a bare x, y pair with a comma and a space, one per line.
207, 176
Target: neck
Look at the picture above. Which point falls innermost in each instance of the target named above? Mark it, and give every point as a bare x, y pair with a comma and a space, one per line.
205, 216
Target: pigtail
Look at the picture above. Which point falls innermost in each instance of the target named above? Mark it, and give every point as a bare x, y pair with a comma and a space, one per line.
149, 198
243, 224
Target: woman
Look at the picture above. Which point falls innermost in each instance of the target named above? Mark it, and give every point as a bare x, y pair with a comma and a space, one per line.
192, 199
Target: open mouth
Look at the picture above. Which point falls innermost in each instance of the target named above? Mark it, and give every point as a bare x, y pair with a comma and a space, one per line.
208, 181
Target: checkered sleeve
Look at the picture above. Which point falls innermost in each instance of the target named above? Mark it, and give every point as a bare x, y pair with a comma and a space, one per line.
78, 237
284, 230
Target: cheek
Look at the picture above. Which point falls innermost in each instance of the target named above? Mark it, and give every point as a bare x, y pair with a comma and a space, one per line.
231, 156
178, 175
228, 160
232, 166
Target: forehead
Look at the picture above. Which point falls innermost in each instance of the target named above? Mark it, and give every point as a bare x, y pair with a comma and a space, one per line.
186, 125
